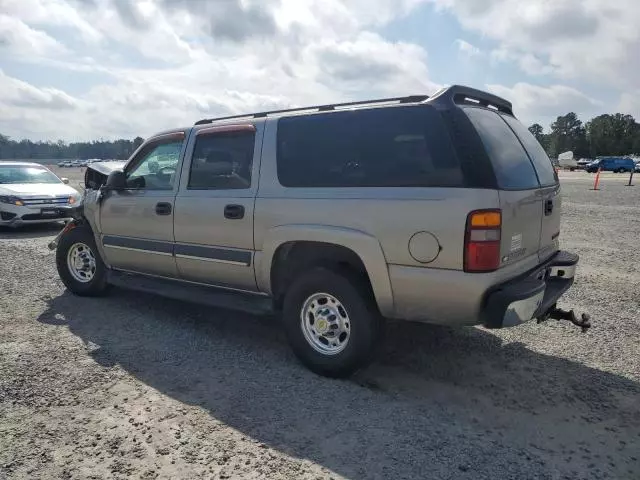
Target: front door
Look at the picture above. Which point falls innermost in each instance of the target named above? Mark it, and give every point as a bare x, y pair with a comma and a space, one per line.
137, 223
214, 207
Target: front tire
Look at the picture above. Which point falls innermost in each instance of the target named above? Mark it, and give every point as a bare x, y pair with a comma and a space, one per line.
332, 322
79, 264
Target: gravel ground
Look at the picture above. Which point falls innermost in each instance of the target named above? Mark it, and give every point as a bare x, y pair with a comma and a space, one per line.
135, 386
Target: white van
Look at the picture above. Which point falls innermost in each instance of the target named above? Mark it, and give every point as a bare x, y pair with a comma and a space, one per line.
566, 161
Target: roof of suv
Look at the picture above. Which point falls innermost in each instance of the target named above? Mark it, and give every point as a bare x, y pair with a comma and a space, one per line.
455, 94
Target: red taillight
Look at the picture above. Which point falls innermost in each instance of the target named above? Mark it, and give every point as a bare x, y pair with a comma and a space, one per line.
482, 241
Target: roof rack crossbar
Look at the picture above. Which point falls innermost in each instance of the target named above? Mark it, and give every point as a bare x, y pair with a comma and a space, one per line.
319, 108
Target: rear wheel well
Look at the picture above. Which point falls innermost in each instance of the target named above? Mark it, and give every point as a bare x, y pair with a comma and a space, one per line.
293, 258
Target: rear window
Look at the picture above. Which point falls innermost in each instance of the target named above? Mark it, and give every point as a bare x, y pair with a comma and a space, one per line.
388, 147
541, 162
513, 169
222, 161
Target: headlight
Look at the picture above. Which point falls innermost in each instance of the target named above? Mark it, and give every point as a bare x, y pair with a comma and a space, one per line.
72, 200
11, 200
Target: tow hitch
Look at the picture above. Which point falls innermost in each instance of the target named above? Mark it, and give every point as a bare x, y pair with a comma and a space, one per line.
584, 322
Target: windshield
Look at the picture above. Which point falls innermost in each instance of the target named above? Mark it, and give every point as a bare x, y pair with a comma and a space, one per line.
26, 174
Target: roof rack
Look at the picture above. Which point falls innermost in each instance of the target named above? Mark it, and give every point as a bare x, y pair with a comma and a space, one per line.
321, 108
459, 94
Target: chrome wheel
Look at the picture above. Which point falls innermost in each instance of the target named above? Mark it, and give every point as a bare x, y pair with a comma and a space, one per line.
325, 323
81, 263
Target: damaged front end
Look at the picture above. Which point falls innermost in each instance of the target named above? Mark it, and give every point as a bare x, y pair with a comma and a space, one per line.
86, 210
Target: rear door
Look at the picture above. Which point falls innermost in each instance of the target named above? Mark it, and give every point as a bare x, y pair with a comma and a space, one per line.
550, 188
521, 198
215, 204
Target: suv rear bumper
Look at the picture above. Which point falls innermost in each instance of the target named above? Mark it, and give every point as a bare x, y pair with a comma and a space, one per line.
531, 295
454, 297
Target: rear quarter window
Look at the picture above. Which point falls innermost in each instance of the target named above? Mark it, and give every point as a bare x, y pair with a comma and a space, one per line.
383, 147
541, 161
513, 169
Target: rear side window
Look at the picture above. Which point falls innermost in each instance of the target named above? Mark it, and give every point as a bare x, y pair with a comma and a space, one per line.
388, 147
541, 162
222, 161
511, 163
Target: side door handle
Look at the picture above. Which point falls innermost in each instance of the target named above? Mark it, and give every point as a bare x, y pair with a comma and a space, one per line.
163, 208
548, 207
234, 212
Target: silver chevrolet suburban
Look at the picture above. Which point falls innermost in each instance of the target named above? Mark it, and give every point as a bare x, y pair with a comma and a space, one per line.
441, 209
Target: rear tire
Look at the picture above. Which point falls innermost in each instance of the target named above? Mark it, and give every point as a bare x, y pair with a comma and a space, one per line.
79, 264
332, 322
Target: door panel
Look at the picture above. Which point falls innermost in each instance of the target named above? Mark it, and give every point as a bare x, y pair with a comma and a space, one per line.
549, 210
212, 249
550, 229
135, 237
215, 205
521, 212
136, 224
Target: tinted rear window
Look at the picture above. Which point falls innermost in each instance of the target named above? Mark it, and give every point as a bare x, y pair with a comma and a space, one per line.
541, 162
385, 147
513, 169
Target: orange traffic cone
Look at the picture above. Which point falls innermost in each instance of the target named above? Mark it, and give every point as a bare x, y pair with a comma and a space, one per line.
597, 181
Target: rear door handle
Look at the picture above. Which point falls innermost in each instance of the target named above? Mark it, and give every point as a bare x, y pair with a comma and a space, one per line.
163, 208
548, 207
234, 212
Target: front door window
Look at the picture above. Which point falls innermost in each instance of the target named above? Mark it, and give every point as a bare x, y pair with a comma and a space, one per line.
156, 168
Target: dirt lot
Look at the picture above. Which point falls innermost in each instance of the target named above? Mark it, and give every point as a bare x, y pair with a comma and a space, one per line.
134, 386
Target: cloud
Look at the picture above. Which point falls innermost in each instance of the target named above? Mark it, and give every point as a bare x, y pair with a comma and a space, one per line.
58, 13
230, 20
17, 38
155, 64
572, 39
532, 102
370, 63
22, 94
171, 62
467, 50
529, 63
629, 103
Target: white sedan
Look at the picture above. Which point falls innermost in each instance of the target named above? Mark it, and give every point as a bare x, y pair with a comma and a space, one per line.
31, 193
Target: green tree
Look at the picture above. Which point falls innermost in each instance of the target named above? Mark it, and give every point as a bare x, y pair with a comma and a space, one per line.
568, 133
27, 149
137, 142
613, 134
538, 131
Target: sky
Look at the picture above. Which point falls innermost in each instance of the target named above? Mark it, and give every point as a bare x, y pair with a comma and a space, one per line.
102, 69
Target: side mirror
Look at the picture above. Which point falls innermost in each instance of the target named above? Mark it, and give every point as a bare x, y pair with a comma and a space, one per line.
65, 180
117, 180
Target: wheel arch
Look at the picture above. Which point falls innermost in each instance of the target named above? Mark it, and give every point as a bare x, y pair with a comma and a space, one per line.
340, 245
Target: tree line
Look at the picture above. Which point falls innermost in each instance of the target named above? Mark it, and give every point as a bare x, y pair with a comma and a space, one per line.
103, 149
604, 135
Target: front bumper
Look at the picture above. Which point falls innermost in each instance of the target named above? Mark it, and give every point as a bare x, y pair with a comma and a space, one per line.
531, 295
14, 215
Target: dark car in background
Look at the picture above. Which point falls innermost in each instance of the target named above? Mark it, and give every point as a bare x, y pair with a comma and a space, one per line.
612, 164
